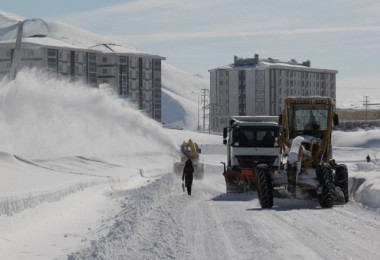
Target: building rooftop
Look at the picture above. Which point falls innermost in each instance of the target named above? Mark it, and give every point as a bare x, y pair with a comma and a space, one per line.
256, 63
41, 32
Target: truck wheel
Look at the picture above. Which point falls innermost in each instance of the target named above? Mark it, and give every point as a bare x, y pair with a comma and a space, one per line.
264, 186
326, 199
341, 180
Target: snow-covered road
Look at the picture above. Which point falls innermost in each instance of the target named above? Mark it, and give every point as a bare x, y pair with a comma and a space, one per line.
159, 221
142, 212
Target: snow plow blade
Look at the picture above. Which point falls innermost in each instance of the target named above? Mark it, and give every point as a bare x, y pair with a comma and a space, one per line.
240, 181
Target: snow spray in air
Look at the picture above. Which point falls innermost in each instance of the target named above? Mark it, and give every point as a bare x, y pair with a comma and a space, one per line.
42, 117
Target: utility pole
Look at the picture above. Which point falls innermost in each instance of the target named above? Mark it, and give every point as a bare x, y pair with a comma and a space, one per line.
204, 100
198, 126
366, 102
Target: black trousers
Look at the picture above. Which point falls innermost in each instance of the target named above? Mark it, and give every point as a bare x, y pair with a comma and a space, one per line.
188, 190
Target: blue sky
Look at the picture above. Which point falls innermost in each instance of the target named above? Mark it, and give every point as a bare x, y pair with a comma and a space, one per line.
198, 35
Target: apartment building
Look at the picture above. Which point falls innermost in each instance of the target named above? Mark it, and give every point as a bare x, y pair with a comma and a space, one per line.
255, 86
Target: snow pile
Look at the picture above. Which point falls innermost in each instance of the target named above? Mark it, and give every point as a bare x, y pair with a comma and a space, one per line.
351, 148
125, 238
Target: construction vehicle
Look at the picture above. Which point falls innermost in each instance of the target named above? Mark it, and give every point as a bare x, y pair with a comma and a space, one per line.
305, 163
190, 150
250, 140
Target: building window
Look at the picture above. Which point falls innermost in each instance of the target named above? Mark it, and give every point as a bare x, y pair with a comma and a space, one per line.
91, 66
52, 60
122, 59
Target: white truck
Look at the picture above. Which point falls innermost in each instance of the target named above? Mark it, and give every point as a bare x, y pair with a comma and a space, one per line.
250, 141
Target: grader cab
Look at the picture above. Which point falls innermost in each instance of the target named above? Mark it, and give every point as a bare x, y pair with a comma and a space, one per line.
305, 160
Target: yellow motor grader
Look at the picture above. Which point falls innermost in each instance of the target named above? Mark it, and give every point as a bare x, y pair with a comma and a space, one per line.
305, 160
190, 150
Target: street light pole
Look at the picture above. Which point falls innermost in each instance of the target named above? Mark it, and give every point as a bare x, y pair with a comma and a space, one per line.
198, 108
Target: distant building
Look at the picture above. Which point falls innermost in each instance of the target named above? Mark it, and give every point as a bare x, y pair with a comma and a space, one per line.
256, 86
134, 75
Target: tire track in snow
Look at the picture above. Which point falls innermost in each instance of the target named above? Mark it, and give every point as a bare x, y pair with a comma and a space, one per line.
205, 230
330, 233
149, 225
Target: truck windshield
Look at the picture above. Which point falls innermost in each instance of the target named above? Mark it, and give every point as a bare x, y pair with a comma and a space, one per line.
255, 136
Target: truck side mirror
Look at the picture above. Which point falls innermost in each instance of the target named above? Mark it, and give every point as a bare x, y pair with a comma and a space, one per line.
336, 120
225, 133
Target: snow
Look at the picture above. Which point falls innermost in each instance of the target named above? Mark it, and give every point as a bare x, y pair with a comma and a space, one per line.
84, 175
91, 177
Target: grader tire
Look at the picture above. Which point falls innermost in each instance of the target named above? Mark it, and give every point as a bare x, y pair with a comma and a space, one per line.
341, 180
326, 199
264, 186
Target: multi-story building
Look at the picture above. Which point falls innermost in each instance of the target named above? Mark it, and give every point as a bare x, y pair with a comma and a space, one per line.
256, 86
134, 75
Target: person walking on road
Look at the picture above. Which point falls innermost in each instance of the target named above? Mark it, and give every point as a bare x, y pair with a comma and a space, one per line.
187, 175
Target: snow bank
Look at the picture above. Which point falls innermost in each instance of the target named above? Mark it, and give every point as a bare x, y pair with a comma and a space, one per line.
15, 204
361, 138
124, 239
364, 183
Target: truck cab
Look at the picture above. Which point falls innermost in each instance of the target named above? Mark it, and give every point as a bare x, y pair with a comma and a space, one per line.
250, 140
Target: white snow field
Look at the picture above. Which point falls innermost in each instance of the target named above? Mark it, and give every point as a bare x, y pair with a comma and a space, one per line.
83, 175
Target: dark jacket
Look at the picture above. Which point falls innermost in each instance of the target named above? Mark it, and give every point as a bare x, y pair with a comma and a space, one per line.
187, 175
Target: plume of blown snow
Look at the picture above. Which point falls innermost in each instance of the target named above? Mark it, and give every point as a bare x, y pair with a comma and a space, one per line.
42, 117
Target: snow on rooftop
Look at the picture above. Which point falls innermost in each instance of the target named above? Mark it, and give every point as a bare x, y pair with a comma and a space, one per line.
264, 64
54, 33
120, 49
9, 18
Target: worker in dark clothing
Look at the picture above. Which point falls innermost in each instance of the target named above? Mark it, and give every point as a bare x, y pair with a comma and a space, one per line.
368, 158
187, 175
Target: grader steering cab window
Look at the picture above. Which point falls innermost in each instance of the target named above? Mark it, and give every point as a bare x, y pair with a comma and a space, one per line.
307, 119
